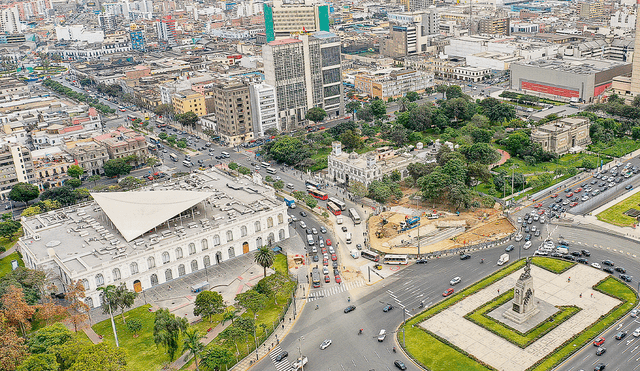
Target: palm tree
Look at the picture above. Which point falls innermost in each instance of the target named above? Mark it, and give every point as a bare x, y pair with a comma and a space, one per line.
192, 343
109, 303
264, 257
231, 314
124, 298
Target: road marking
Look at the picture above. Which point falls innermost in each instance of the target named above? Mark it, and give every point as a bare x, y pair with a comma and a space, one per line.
282, 365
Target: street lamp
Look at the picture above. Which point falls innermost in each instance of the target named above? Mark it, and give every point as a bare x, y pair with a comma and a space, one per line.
255, 337
404, 319
300, 351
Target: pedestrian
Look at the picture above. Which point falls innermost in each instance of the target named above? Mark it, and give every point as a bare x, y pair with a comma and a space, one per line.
498, 291
283, 326
569, 279
289, 319
591, 294
580, 295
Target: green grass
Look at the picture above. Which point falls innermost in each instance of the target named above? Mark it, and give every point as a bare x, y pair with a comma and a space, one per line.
614, 215
280, 264
566, 161
616, 148
556, 266
481, 318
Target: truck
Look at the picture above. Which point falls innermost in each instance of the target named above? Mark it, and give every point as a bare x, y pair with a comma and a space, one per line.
503, 259
409, 223
299, 363
291, 203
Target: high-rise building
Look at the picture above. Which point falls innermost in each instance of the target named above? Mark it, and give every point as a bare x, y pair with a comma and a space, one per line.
166, 28
232, 108
306, 73
635, 71
415, 5
10, 20
592, 11
409, 33
137, 38
282, 18
189, 100
16, 166
494, 26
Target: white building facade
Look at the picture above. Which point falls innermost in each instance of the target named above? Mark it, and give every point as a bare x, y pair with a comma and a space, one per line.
264, 109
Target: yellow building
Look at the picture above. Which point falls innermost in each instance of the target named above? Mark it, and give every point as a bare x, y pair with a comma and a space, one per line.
189, 100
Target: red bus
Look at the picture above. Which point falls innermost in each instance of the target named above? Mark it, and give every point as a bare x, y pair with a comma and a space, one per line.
318, 194
333, 208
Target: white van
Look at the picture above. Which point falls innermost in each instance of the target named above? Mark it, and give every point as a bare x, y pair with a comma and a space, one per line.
187, 163
303, 225
310, 240
355, 253
225, 154
562, 250
348, 236
290, 186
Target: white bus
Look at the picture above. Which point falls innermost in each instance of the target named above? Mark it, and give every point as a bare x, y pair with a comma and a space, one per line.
271, 170
367, 254
265, 164
338, 203
396, 259
173, 157
354, 215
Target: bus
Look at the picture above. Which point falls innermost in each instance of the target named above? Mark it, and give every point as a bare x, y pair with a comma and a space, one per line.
338, 203
265, 164
396, 259
335, 210
315, 277
154, 139
311, 183
354, 215
318, 194
131, 117
271, 170
367, 254
173, 157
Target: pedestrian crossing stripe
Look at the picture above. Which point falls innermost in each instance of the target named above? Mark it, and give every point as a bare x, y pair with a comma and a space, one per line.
282, 365
334, 290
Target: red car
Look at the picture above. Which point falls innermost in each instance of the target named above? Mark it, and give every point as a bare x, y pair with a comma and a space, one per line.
578, 190
599, 341
537, 206
573, 204
325, 261
324, 251
334, 257
338, 279
327, 279
328, 242
542, 212
322, 128
570, 194
554, 195
447, 292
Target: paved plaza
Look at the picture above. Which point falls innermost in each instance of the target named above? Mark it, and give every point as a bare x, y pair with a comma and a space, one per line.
555, 289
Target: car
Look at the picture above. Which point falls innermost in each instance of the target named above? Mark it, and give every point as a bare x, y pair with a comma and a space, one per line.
325, 261
315, 258
608, 270
337, 278
336, 272
575, 253
600, 351
308, 231
568, 190
325, 344
608, 262
584, 198
519, 220
634, 313
563, 243
626, 277
582, 260
599, 367
585, 252
455, 281
578, 190
350, 308
359, 246
620, 335
334, 257
537, 234
628, 187
568, 257
620, 270
328, 242
303, 214
315, 231
599, 341
573, 204
422, 261
447, 292
527, 237
636, 333
509, 248
534, 228
282, 356
344, 229
465, 256
327, 279
570, 194
399, 364
596, 265
538, 205
123, 110
554, 195
323, 229
324, 251
387, 308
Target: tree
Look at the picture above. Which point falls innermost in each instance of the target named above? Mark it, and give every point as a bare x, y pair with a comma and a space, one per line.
50, 311
382, 191
635, 131
316, 114
12, 347
365, 113
109, 301
217, 356
310, 201
481, 135
517, 142
125, 298
40, 362
233, 333
73, 183
352, 107
278, 184
244, 170
402, 104
589, 163
454, 91
167, 329
47, 337
24, 192
163, 110
193, 344
412, 96
351, 140
152, 162
233, 166
16, 310
395, 175
8, 226
289, 150
480, 152
378, 108
99, 357
342, 127
265, 257
75, 171
134, 325
252, 300
187, 119
77, 308
116, 167
208, 303
357, 189
442, 89
94, 179
419, 118
418, 169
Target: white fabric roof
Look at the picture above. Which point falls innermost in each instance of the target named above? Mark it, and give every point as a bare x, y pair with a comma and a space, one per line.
134, 213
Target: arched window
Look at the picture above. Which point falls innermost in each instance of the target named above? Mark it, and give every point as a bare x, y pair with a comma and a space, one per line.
165, 258
281, 235
232, 252
151, 262
134, 268
168, 275
257, 226
243, 231
258, 242
280, 219
269, 222
116, 274
179, 253
271, 239
216, 240
192, 248
194, 265
99, 280
206, 261
205, 244
229, 236
154, 279
89, 302
85, 284
181, 270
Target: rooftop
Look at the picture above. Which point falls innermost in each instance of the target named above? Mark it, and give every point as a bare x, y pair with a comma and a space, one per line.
583, 66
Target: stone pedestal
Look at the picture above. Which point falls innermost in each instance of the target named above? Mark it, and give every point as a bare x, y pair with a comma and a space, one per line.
523, 305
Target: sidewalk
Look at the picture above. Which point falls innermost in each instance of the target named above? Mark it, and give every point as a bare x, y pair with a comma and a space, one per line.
10, 251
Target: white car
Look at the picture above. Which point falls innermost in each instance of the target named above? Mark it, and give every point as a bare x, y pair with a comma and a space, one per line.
636, 333
315, 231
527, 245
325, 344
518, 237
303, 224
634, 313
519, 220
596, 265
455, 281
585, 198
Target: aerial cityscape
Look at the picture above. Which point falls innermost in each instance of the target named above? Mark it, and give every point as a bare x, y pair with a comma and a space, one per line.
314, 185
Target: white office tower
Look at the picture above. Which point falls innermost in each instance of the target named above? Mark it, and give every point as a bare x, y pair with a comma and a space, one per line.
11, 21
264, 108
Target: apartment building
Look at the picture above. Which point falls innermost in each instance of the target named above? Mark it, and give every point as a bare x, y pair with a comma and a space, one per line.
189, 100
495, 26
124, 142
16, 166
50, 167
232, 108
89, 155
264, 109
391, 83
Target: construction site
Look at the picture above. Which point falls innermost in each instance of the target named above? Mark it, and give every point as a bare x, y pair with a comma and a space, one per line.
402, 230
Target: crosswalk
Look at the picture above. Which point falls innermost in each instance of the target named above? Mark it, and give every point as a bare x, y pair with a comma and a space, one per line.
334, 290
282, 365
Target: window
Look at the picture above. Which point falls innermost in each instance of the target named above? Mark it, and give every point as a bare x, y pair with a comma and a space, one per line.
165, 258
280, 219
168, 275
99, 280
192, 248
205, 244
243, 231
151, 262
134, 268
179, 253
154, 279
216, 240
206, 261
232, 252
257, 226
281, 235
116, 274
269, 222
181, 270
194, 265
85, 284
229, 236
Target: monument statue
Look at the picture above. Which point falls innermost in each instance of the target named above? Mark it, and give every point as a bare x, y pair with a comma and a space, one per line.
524, 305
